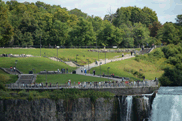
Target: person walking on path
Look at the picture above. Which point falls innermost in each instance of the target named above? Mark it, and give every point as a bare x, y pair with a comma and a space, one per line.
94, 72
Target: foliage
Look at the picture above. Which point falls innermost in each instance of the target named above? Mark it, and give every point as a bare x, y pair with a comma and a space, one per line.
66, 94
168, 34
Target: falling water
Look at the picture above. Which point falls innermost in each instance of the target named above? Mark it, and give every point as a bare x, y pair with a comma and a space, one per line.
146, 102
167, 105
119, 106
129, 100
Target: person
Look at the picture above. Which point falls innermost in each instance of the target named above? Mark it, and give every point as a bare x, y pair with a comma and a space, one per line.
122, 79
122, 55
94, 72
131, 53
11, 68
40, 85
103, 74
66, 70
14, 69
113, 75
46, 84
58, 70
57, 84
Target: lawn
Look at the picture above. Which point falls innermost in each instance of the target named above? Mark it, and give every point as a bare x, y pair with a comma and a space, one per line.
118, 68
63, 78
38, 63
7, 78
65, 54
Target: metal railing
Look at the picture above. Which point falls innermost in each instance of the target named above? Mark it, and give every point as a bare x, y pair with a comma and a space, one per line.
85, 85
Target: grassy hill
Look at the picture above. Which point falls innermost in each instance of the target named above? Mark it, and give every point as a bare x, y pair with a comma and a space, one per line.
65, 54
38, 63
7, 78
135, 68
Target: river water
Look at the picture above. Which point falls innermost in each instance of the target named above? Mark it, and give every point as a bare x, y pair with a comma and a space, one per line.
167, 105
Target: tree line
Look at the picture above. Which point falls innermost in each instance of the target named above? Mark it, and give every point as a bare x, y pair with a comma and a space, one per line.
25, 24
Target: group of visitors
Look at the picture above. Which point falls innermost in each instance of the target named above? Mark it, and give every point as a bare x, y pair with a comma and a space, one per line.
112, 75
63, 71
12, 69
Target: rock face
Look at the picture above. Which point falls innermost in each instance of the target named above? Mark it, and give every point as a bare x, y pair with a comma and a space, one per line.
82, 109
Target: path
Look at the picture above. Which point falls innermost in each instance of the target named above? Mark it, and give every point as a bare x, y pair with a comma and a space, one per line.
103, 61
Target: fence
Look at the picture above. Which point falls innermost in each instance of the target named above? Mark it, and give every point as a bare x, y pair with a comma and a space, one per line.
83, 85
81, 47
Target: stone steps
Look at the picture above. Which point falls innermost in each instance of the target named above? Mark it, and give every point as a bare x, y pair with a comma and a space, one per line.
26, 79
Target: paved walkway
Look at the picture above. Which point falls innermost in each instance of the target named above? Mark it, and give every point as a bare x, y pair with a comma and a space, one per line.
103, 61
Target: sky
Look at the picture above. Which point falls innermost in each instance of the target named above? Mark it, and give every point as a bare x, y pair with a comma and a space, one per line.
166, 10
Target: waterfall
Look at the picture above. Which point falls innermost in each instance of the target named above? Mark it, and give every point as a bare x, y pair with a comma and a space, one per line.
167, 105
129, 100
119, 107
146, 102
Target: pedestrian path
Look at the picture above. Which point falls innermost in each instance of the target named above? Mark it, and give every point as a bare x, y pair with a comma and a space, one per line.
101, 61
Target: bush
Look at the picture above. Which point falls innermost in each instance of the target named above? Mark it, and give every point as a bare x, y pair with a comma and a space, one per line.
23, 93
2, 87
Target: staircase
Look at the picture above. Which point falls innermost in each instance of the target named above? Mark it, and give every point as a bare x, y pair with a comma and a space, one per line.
26, 79
7, 70
146, 50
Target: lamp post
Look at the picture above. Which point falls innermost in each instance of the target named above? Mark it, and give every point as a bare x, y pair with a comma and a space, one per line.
16, 61
46, 76
33, 71
98, 54
100, 69
40, 45
105, 57
76, 57
57, 52
108, 72
88, 64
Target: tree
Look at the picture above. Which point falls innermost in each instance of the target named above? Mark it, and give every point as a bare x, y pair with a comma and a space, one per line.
154, 28
141, 34
82, 34
78, 13
179, 19
6, 30
168, 34
58, 33
128, 37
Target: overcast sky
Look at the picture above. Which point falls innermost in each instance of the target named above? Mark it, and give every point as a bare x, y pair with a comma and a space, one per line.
166, 9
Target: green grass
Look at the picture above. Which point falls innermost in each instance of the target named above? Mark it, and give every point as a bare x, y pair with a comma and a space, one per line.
7, 78
64, 54
63, 78
149, 70
38, 63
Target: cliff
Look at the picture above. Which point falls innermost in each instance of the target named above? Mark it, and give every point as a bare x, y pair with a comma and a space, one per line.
82, 109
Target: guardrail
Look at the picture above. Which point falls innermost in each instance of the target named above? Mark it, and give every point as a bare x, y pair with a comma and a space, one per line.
85, 85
